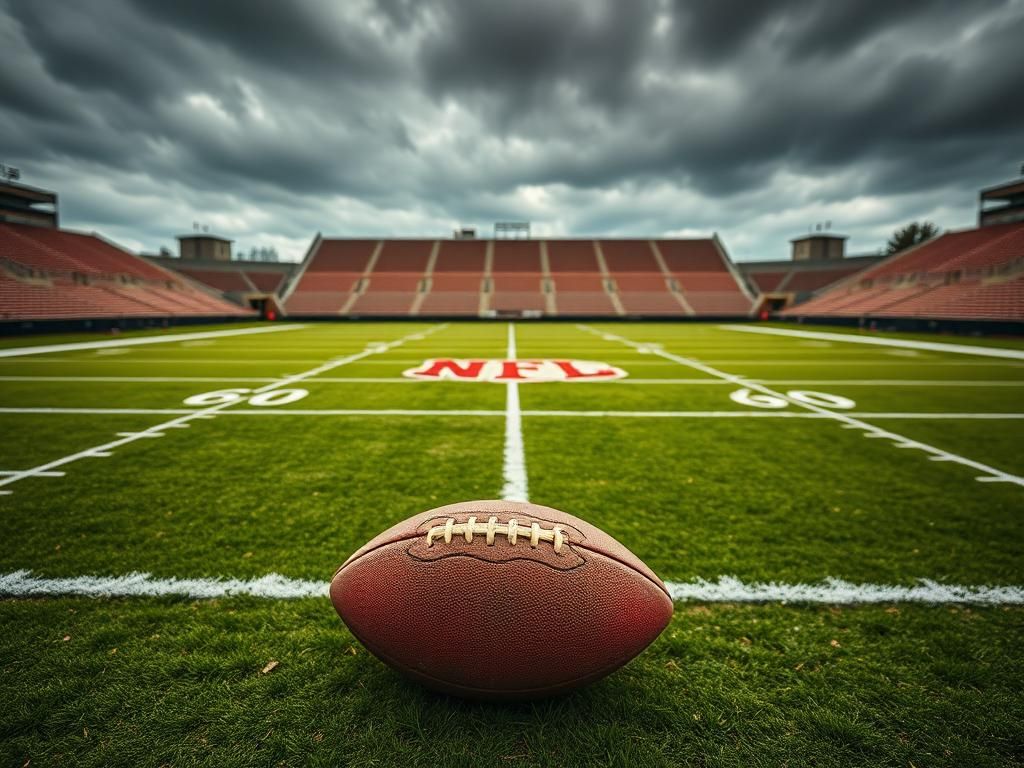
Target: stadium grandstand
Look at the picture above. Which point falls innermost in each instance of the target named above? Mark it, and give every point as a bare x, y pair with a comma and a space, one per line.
53, 274
781, 284
50, 275
252, 284
517, 277
969, 275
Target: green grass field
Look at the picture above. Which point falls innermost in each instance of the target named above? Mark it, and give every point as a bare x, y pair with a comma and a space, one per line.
724, 460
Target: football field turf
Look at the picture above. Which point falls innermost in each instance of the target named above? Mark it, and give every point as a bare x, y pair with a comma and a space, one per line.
842, 525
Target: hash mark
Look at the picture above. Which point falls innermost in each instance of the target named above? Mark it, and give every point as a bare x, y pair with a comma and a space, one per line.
8, 473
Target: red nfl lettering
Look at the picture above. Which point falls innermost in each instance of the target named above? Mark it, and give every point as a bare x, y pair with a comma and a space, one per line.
572, 372
455, 369
524, 371
513, 370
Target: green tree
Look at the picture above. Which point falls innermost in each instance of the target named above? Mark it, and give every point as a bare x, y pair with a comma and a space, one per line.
912, 234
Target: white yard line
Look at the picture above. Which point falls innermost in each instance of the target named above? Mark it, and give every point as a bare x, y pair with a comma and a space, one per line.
80, 345
932, 346
894, 382
630, 363
726, 589
102, 451
990, 474
404, 380
142, 379
320, 412
514, 470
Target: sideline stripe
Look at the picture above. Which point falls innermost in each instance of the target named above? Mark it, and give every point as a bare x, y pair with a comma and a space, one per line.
514, 471
933, 346
991, 474
403, 380
727, 589
207, 413
622, 363
925, 416
19, 351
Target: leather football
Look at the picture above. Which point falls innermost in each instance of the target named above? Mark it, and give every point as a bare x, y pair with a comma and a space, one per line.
500, 600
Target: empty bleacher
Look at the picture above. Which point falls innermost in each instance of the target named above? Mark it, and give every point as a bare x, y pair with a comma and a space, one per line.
703, 276
266, 282
224, 280
768, 281
636, 277
331, 273
975, 274
391, 288
647, 293
456, 283
791, 282
56, 274
516, 282
563, 277
808, 281
576, 279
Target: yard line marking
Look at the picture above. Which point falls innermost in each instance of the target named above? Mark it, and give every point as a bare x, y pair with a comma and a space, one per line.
5, 473
922, 416
895, 382
847, 419
514, 470
933, 346
846, 362
416, 361
728, 589
725, 589
205, 413
141, 379
101, 411
404, 380
80, 345
273, 586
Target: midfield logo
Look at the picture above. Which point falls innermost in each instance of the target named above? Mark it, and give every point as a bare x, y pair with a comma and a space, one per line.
526, 371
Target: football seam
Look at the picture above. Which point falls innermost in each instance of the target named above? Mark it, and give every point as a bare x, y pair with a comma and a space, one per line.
656, 581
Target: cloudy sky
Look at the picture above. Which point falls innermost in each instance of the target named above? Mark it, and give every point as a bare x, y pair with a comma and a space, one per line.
269, 121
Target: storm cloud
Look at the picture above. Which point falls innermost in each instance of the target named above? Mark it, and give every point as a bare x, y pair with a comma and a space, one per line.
270, 121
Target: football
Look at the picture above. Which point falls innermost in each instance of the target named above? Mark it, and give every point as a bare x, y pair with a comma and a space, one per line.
500, 600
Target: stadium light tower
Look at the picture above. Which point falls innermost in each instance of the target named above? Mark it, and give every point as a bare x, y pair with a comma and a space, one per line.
9, 173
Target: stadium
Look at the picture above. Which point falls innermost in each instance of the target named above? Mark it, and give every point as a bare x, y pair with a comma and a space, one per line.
814, 454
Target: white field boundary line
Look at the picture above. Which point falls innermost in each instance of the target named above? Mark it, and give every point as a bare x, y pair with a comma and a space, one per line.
80, 345
990, 474
921, 416
404, 380
103, 451
416, 361
726, 589
931, 346
516, 487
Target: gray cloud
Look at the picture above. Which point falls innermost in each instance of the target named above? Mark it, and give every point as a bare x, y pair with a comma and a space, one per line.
274, 120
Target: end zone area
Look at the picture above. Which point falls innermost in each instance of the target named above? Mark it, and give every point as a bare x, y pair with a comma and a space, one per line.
765, 459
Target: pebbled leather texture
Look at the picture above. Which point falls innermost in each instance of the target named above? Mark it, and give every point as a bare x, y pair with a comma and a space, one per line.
505, 621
